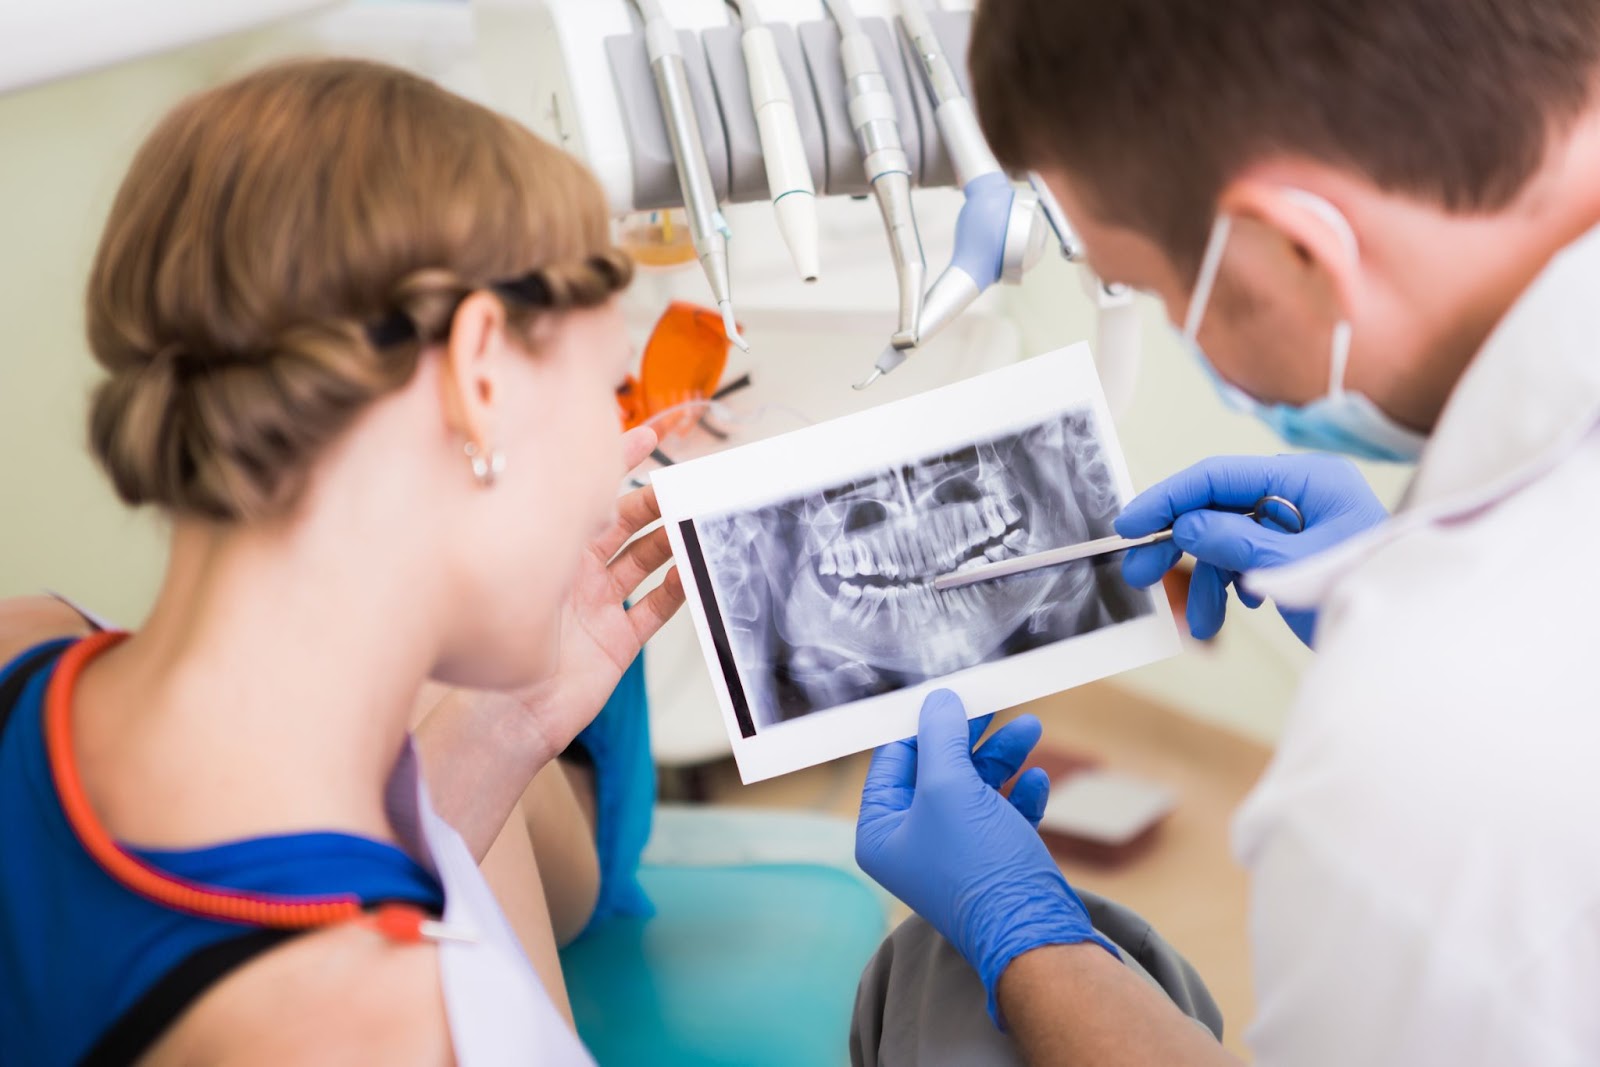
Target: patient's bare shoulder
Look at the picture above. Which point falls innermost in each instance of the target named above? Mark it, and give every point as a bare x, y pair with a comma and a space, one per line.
342, 995
26, 621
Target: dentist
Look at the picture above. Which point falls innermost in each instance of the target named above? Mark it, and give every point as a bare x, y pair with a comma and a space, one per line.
1378, 224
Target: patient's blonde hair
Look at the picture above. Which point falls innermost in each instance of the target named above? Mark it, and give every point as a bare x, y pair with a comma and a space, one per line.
267, 227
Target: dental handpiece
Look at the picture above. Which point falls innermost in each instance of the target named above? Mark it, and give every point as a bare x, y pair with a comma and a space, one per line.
707, 228
997, 232
784, 153
888, 169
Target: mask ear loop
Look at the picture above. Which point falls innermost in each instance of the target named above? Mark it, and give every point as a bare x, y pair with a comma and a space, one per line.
1339, 359
1206, 280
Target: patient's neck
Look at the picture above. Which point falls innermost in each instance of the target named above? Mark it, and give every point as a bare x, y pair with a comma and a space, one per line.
270, 689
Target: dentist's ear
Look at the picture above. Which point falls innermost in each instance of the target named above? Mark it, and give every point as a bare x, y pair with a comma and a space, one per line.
1315, 228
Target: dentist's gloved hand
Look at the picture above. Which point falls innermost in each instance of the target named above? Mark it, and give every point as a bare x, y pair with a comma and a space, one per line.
1335, 500
935, 832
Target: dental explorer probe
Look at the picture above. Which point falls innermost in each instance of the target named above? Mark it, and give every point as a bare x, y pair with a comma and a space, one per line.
707, 228
883, 155
997, 232
1286, 516
794, 197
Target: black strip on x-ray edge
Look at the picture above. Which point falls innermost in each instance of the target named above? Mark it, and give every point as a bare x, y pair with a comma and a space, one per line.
719, 632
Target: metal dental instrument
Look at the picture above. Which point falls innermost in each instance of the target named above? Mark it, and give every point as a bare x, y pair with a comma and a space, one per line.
1070, 250
1274, 509
794, 197
883, 154
998, 233
707, 227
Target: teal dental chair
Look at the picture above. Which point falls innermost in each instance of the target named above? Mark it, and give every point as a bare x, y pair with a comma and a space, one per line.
762, 926
721, 936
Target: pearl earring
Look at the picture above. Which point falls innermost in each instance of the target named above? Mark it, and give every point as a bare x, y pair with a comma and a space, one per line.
485, 468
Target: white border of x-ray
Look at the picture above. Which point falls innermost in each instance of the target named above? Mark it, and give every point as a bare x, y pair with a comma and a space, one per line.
981, 408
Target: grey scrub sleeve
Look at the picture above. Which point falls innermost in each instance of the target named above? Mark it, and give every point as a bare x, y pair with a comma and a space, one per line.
919, 1003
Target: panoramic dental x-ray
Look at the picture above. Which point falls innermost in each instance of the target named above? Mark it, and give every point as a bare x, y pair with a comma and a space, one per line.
827, 598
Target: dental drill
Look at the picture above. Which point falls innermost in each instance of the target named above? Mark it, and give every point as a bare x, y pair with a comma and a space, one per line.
883, 154
998, 233
794, 197
707, 228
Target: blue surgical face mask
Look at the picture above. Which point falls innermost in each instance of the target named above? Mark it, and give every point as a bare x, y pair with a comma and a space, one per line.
1338, 421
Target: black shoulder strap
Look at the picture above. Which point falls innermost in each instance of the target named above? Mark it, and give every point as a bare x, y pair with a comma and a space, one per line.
154, 1013
131, 1036
31, 664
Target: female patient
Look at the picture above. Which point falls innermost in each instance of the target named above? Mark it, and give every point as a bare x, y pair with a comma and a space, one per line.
360, 346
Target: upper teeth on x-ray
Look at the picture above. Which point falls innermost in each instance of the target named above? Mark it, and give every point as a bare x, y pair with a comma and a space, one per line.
827, 598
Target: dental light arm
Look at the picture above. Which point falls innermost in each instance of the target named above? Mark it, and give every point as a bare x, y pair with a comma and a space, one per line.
782, 150
707, 227
998, 235
877, 130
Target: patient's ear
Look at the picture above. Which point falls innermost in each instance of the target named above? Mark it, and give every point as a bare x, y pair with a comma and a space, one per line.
471, 361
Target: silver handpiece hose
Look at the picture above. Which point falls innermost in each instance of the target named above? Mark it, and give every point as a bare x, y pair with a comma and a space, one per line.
888, 168
706, 226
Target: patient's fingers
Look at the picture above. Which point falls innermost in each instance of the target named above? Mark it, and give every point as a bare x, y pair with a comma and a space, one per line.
658, 605
640, 559
635, 511
637, 444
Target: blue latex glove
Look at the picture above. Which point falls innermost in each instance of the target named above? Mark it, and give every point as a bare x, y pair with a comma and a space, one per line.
1335, 500
935, 832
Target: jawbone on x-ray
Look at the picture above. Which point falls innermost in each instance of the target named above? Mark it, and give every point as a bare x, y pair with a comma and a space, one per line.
822, 601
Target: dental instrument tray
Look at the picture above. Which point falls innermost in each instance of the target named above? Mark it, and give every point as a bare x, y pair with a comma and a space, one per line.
718, 80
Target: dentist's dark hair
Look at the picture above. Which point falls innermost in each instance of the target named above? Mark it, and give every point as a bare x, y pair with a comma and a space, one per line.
1152, 106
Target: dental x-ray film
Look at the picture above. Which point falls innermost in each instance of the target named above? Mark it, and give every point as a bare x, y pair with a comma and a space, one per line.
809, 560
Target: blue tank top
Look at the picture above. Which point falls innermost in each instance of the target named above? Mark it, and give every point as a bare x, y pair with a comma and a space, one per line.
90, 971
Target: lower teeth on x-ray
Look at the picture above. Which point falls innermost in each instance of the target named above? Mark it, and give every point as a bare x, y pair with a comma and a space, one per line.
828, 598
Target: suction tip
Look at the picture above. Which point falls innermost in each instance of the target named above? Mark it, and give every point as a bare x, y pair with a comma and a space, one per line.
877, 372
731, 328
797, 222
903, 339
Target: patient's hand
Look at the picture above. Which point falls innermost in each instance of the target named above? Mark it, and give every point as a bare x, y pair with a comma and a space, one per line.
600, 633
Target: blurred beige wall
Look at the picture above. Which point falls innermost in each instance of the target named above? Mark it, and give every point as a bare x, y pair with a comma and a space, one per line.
63, 149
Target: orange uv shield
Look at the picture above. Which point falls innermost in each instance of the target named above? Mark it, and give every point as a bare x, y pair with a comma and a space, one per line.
682, 364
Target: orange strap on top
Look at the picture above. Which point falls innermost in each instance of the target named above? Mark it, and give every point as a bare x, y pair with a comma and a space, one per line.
400, 922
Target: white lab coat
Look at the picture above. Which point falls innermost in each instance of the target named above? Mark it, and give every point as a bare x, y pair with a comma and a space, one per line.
1425, 846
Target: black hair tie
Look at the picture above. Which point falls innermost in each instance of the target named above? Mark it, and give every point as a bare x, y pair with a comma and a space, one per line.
394, 328
531, 289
